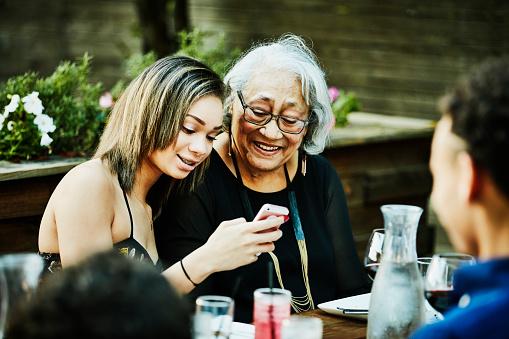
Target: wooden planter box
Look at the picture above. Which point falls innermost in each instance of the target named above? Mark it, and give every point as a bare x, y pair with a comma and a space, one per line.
380, 159
383, 160
25, 189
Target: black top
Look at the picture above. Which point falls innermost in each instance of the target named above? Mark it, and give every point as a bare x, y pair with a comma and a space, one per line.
187, 222
129, 247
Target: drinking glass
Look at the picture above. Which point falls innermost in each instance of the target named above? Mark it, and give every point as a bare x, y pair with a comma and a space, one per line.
439, 284
213, 317
22, 272
302, 328
432, 315
373, 254
423, 264
271, 308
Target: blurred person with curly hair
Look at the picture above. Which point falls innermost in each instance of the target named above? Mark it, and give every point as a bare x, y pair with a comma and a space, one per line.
470, 166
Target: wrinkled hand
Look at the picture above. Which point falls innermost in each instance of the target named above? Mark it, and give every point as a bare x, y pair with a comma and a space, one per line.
236, 242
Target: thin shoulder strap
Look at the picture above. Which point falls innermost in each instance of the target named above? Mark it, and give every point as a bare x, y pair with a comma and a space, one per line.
130, 215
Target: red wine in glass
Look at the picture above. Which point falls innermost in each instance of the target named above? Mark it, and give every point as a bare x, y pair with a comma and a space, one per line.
438, 283
371, 269
441, 300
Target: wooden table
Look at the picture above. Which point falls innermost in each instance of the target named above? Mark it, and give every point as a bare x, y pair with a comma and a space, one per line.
339, 327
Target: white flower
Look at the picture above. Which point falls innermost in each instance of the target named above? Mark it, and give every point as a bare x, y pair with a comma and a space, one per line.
33, 104
10, 125
46, 140
106, 100
2, 119
11, 107
44, 123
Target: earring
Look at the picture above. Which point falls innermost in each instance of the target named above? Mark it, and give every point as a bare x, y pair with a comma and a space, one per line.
228, 124
303, 164
230, 143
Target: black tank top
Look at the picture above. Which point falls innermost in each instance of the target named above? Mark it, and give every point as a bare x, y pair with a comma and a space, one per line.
129, 247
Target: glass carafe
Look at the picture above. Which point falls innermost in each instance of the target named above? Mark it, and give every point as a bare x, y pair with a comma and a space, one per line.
397, 307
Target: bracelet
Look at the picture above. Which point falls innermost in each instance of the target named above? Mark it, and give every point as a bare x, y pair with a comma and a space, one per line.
187, 275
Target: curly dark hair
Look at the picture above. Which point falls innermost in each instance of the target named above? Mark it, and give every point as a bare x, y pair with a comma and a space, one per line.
479, 108
105, 296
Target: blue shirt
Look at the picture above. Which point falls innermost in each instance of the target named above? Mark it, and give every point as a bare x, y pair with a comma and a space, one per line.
483, 310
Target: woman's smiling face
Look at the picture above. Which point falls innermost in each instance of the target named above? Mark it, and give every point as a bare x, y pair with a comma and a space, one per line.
266, 148
194, 142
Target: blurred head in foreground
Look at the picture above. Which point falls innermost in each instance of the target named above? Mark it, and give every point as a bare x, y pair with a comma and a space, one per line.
105, 296
470, 162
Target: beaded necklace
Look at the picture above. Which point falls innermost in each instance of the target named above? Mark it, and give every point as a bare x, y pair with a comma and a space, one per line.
301, 303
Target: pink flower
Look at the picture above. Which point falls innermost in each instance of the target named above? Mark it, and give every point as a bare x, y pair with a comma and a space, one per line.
106, 100
333, 93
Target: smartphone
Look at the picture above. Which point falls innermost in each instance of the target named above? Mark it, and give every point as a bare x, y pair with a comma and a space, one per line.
269, 209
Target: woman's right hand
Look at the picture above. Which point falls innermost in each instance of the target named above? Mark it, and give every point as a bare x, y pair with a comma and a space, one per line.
237, 242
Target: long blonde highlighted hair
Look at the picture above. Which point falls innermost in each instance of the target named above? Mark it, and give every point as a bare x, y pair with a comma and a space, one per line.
149, 115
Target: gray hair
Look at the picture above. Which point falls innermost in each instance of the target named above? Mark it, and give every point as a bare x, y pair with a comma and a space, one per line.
288, 53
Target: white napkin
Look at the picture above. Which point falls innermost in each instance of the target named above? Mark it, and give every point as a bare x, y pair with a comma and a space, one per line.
242, 331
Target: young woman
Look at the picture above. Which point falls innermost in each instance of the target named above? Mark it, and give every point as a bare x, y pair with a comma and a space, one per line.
160, 130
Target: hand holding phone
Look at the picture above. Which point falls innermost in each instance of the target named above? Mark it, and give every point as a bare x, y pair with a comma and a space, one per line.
268, 210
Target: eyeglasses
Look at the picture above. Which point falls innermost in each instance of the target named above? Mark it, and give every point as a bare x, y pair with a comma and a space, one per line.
285, 124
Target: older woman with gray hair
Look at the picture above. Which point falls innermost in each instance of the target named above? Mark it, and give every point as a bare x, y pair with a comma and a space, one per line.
277, 117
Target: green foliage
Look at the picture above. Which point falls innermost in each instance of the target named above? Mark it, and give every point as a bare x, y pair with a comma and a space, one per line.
209, 48
213, 53
23, 140
138, 62
73, 102
68, 98
345, 103
133, 66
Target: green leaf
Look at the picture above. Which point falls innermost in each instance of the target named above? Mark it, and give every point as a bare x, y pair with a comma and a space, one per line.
68, 97
345, 103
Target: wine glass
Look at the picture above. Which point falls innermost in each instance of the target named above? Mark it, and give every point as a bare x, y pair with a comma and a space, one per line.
423, 265
431, 315
439, 284
373, 255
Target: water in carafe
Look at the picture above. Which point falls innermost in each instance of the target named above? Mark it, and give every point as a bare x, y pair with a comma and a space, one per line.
396, 307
